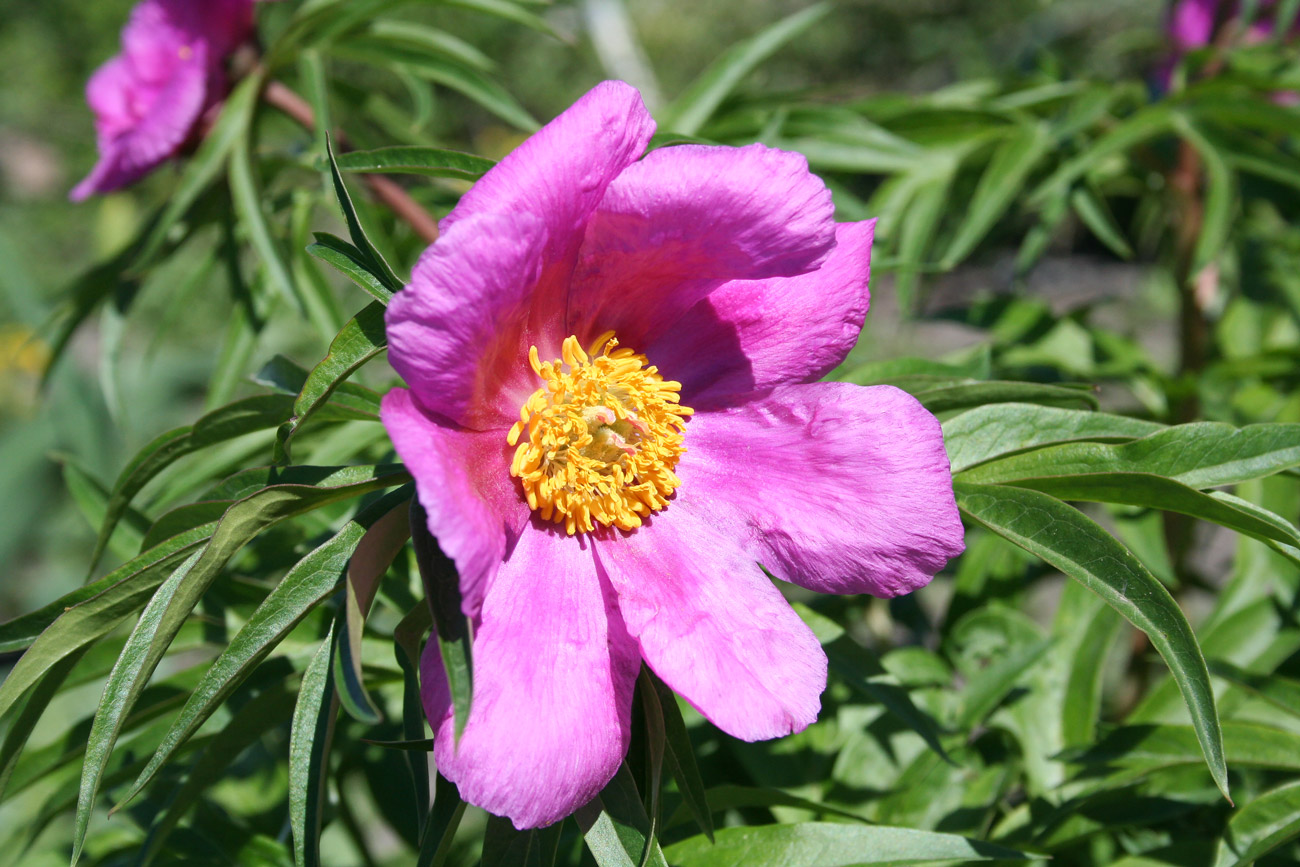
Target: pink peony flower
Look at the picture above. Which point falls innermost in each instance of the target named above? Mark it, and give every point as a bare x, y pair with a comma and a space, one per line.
149, 99
613, 418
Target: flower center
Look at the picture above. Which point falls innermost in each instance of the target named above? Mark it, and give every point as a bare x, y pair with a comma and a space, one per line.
597, 443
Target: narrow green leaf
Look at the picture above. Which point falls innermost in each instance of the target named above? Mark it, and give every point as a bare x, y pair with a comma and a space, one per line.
451, 626
681, 758
861, 670
1281, 692
1076, 545
998, 187
1218, 202
350, 262
689, 112
87, 614
360, 340
267, 710
375, 261
1199, 455
994, 430
24, 723
504, 846
946, 398
821, 844
987, 689
1266, 823
1096, 215
311, 733
1081, 704
125, 682
416, 160
1148, 123
374, 554
223, 424
726, 797
408, 640
312, 580
202, 169
440, 828
616, 827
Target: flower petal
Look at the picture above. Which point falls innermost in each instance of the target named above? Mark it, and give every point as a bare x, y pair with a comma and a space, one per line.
554, 671
463, 481
748, 336
454, 333
685, 219
712, 625
839, 488
560, 172
171, 109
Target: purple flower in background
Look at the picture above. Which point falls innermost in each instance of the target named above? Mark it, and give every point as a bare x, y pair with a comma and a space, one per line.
149, 99
613, 417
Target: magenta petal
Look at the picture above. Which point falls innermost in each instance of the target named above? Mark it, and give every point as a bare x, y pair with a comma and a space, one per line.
454, 333
463, 480
712, 625
554, 671
560, 172
128, 153
675, 225
840, 488
1191, 23
435, 691
762, 333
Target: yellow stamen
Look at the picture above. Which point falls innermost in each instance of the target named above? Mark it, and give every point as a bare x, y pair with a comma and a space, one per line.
598, 442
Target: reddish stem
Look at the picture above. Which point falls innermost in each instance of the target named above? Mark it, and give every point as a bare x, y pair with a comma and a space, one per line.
391, 194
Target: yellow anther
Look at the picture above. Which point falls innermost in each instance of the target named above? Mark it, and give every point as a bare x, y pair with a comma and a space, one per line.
597, 443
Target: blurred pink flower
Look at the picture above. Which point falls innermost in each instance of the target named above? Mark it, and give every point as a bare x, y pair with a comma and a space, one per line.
579, 300
149, 99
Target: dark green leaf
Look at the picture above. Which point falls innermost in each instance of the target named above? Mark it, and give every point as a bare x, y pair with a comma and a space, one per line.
416, 160
311, 733
820, 844
1269, 821
966, 395
991, 431
616, 827
451, 626
1066, 539
375, 262
351, 262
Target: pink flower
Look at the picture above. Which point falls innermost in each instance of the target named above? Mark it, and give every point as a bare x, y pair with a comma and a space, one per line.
149, 99
580, 299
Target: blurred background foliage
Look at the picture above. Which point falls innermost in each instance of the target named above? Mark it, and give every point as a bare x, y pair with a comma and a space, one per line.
1061, 227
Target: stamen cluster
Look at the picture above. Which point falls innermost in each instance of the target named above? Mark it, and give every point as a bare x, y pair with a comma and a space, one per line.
603, 435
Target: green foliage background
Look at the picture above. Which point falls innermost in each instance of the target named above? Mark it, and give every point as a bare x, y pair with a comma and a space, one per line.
1094, 284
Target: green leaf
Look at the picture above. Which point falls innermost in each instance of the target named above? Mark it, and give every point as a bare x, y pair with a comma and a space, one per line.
312, 580
945, 398
311, 733
265, 711
1269, 821
361, 339
25, 722
451, 626
374, 260
681, 757
1199, 455
408, 639
504, 846
616, 827
87, 614
1148, 123
994, 430
350, 262
1218, 202
700, 100
202, 169
721, 798
998, 187
986, 689
1076, 545
861, 670
374, 554
821, 844
125, 681
1281, 692
1095, 214
440, 828
416, 160
226, 423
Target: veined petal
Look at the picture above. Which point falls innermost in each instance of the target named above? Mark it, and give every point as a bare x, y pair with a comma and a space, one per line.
554, 671
455, 332
686, 219
711, 624
749, 336
463, 481
839, 488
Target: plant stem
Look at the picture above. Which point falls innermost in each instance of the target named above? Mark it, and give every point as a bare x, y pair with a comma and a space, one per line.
392, 195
